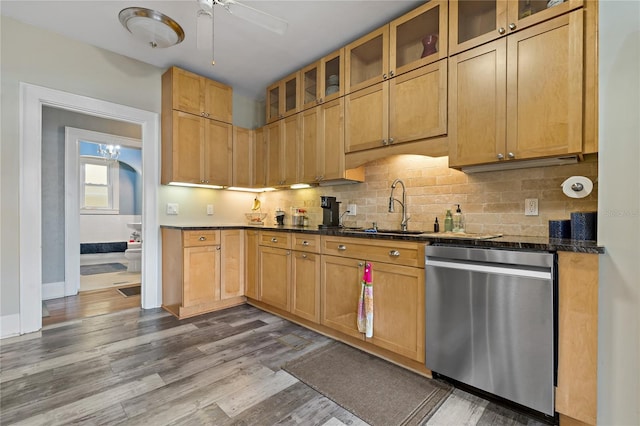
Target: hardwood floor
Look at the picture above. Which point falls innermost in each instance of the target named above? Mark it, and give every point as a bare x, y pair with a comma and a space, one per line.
139, 367
86, 304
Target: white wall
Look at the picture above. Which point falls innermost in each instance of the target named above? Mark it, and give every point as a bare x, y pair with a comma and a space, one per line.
104, 228
619, 214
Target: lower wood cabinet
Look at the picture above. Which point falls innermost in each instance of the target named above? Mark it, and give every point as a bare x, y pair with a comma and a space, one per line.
201, 270
290, 279
251, 263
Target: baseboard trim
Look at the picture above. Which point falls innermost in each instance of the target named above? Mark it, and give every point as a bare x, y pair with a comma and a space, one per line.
52, 290
9, 326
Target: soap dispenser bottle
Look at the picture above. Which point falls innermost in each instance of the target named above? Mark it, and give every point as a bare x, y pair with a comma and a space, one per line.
458, 222
448, 222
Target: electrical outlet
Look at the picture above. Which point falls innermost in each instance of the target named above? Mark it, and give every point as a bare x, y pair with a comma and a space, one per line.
210, 209
352, 208
531, 207
172, 208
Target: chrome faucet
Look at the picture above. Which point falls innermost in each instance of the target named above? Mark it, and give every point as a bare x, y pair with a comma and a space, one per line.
403, 203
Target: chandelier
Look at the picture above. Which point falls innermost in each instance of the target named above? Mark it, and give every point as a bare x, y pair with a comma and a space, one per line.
109, 152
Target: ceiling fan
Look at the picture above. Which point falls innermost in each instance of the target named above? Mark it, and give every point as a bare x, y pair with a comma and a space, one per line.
205, 29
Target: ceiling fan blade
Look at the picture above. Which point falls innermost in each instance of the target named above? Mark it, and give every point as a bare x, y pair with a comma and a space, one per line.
204, 35
255, 16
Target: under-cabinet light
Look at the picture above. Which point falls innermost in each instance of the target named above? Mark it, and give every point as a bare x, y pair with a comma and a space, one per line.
240, 188
300, 186
195, 185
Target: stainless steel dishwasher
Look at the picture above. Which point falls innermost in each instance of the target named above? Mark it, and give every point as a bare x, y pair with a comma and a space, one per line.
491, 321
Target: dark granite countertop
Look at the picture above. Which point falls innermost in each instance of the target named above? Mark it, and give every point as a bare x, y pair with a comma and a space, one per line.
471, 240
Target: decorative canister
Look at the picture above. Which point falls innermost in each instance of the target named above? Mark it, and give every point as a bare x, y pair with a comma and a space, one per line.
584, 225
560, 229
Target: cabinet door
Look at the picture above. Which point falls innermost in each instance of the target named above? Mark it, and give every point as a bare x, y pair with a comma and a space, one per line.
186, 155
290, 90
232, 259
477, 104
340, 290
186, 92
332, 76
201, 275
398, 310
274, 159
367, 118
305, 286
310, 145
218, 146
367, 60
274, 99
524, 13
418, 37
218, 100
251, 256
290, 140
310, 86
260, 159
418, 104
472, 23
275, 277
545, 88
331, 154
243, 157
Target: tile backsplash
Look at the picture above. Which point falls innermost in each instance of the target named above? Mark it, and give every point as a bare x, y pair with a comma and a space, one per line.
492, 202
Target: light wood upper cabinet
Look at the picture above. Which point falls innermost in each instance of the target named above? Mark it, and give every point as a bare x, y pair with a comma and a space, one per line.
283, 98
518, 97
200, 96
323, 80
243, 157
407, 108
196, 131
473, 22
408, 42
283, 141
260, 153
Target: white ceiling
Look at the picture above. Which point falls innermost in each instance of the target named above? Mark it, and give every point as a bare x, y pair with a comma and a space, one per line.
248, 57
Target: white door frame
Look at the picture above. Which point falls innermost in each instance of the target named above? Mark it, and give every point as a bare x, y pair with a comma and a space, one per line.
32, 99
73, 137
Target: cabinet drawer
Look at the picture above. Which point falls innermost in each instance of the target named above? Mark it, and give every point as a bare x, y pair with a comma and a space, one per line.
393, 252
275, 239
201, 238
306, 242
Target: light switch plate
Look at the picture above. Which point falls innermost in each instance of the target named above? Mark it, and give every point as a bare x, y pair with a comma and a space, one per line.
352, 209
172, 208
210, 209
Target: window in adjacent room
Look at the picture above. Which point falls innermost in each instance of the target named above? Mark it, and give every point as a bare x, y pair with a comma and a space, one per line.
98, 186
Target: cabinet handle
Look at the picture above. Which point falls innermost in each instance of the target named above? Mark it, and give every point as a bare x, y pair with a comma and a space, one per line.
501, 30
305, 243
360, 264
202, 114
203, 238
500, 156
384, 76
304, 256
342, 247
288, 252
390, 141
385, 142
511, 155
274, 240
391, 74
512, 26
394, 253
217, 247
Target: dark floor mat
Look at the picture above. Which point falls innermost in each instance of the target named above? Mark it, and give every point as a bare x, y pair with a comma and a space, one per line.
130, 291
102, 268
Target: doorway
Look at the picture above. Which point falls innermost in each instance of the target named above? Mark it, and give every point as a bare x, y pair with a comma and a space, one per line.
33, 99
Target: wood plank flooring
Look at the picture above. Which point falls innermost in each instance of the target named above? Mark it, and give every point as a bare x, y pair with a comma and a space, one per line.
144, 367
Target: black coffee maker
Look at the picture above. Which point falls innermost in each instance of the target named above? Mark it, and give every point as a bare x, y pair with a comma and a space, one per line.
330, 212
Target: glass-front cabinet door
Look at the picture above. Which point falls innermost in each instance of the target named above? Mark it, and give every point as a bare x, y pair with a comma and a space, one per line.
418, 37
367, 60
332, 76
475, 22
290, 90
310, 78
273, 102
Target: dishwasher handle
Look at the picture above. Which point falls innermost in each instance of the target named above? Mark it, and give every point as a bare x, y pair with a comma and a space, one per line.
491, 269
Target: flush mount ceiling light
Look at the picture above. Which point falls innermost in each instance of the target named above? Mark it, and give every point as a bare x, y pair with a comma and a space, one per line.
151, 26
